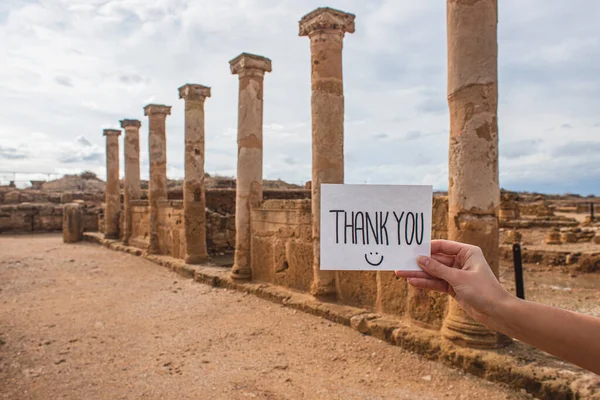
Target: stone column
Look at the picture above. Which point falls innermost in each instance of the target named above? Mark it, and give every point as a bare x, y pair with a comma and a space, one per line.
194, 202
326, 28
248, 195
473, 190
132, 188
157, 188
72, 223
112, 191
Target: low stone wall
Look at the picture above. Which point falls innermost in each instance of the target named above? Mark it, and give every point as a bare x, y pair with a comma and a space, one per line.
140, 229
171, 234
282, 243
46, 217
282, 254
222, 200
220, 229
18, 196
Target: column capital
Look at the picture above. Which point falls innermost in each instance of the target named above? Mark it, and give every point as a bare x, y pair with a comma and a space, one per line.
326, 19
130, 123
111, 132
192, 91
153, 109
247, 62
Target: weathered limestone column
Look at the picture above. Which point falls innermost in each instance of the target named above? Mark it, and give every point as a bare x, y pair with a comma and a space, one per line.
248, 195
132, 189
157, 188
194, 201
72, 226
326, 28
473, 190
112, 192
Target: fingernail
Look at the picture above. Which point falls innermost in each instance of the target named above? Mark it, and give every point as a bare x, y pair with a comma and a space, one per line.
423, 260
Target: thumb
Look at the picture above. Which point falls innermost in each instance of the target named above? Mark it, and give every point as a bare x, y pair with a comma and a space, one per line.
439, 270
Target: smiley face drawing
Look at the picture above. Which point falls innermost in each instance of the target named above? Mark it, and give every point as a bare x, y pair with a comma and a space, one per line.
374, 264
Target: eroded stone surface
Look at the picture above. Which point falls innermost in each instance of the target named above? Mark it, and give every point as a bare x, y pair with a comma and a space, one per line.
251, 69
157, 142
72, 226
326, 28
194, 198
473, 192
132, 189
113, 196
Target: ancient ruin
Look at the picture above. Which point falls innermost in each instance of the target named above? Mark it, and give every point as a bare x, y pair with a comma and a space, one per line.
274, 234
249, 186
132, 189
157, 142
194, 198
325, 28
113, 196
473, 189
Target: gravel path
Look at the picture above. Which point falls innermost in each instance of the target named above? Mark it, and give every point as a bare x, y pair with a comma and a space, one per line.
83, 322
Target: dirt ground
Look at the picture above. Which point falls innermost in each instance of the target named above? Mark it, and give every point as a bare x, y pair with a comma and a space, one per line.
556, 286
83, 322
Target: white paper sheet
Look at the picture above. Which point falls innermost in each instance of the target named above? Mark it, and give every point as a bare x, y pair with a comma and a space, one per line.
375, 227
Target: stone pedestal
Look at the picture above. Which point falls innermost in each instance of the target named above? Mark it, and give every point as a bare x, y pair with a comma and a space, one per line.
326, 28
194, 201
72, 226
249, 191
132, 189
113, 195
473, 190
157, 142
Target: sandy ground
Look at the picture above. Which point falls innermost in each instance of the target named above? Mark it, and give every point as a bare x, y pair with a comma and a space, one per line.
83, 322
556, 286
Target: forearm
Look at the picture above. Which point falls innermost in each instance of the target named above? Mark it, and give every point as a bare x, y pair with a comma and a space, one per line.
571, 336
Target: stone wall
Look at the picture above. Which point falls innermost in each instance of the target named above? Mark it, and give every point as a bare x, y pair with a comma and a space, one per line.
222, 200
171, 239
140, 230
282, 243
46, 217
220, 229
17, 196
282, 254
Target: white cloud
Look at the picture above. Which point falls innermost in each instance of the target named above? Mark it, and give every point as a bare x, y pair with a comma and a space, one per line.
74, 67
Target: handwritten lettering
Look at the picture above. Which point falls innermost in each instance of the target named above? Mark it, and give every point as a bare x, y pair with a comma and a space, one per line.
364, 228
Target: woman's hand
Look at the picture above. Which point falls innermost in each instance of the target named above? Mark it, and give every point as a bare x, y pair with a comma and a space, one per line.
461, 271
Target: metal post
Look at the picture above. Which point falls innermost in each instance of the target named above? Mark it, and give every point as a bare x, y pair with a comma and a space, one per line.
518, 271
592, 211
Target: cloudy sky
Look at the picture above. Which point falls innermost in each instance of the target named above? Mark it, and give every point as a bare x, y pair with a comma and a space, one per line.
70, 68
